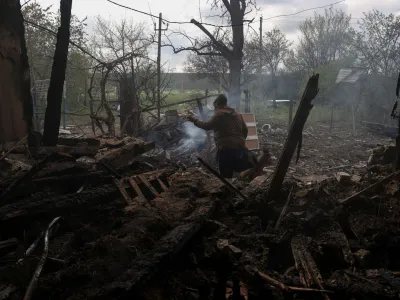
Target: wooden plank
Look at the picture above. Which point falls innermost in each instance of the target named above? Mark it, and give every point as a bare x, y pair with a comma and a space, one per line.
120, 185
163, 186
137, 189
148, 185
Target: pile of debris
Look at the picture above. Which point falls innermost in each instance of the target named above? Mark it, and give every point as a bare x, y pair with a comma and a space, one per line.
93, 220
324, 241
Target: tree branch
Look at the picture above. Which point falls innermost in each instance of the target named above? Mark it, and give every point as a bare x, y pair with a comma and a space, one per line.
219, 45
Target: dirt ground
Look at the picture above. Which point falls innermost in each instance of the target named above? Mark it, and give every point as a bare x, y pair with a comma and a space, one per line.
194, 239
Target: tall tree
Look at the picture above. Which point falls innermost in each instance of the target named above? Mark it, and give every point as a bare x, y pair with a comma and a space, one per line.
378, 43
216, 67
124, 46
377, 46
235, 11
41, 45
323, 39
15, 100
274, 51
56, 87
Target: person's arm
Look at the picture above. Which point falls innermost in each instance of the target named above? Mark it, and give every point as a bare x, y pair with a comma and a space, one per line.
245, 130
209, 125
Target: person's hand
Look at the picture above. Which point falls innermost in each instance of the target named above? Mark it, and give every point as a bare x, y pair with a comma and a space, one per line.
191, 118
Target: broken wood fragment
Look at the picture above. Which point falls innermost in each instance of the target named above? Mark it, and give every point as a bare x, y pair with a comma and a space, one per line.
390, 278
12, 148
305, 264
39, 268
287, 288
26, 177
76, 151
122, 156
33, 246
228, 184
370, 188
50, 204
293, 138
284, 209
164, 251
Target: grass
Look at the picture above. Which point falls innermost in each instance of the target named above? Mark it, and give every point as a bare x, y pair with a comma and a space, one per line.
319, 114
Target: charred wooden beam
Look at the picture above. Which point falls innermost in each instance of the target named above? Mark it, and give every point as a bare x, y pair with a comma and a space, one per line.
293, 138
369, 189
305, 264
31, 208
227, 183
24, 178
146, 266
125, 154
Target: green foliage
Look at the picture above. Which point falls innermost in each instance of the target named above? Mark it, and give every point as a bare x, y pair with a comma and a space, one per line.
327, 78
41, 46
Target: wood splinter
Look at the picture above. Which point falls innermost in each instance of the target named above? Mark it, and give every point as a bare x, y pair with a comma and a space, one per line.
287, 288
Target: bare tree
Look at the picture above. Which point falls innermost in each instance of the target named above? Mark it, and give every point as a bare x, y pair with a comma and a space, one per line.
324, 39
216, 43
216, 68
124, 46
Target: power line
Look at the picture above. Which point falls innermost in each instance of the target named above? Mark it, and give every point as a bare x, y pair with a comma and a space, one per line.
175, 22
55, 34
304, 10
221, 26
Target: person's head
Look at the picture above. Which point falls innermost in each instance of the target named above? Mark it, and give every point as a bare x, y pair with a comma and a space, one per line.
220, 102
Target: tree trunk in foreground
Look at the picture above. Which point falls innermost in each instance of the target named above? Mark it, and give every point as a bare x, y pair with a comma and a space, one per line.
15, 99
55, 93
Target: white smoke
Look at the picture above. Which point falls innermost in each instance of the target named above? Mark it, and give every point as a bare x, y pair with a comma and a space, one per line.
192, 131
194, 136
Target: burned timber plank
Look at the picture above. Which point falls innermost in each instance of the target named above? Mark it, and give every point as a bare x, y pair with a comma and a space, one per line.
293, 138
52, 205
76, 151
305, 264
122, 156
146, 266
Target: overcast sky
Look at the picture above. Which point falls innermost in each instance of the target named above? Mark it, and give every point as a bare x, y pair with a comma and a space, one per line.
184, 10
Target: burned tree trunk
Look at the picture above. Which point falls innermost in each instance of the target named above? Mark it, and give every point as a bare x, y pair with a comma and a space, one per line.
15, 99
294, 138
55, 93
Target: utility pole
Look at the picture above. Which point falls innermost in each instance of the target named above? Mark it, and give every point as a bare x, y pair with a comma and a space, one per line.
159, 29
260, 59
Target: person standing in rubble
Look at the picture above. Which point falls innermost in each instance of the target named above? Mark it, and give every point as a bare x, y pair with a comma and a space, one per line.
230, 133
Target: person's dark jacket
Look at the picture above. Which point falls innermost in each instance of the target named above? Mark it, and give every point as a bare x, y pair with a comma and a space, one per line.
230, 130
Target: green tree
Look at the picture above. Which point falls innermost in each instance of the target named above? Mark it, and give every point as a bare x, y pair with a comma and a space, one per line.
377, 43
41, 46
323, 39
